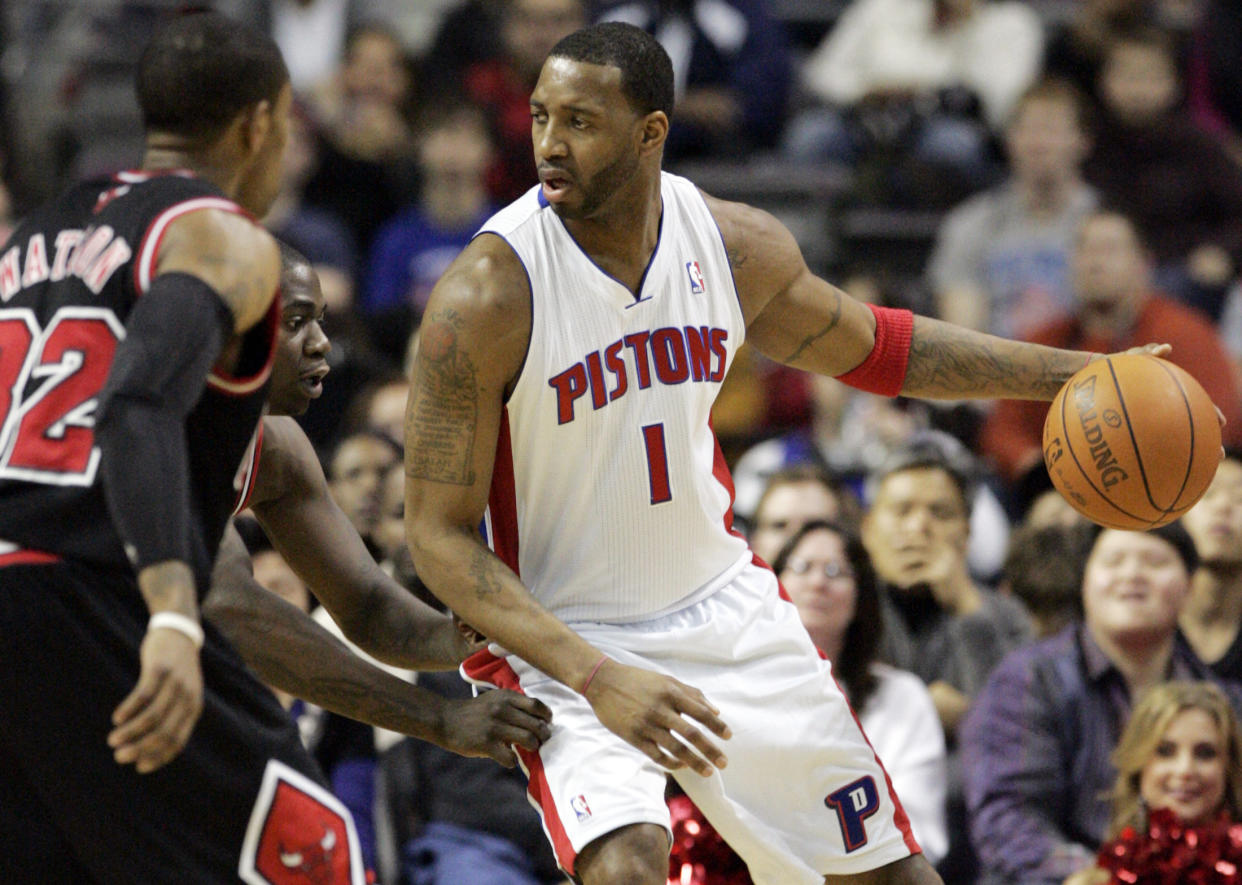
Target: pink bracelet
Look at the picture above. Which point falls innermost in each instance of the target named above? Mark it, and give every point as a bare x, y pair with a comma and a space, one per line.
592, 676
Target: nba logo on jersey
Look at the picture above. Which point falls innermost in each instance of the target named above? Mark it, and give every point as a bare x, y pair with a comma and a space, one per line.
696, 278
580, 807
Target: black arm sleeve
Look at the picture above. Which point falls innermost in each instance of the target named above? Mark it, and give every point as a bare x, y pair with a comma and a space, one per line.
174, 335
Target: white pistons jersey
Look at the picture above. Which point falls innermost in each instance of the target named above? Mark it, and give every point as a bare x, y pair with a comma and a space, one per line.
610, 497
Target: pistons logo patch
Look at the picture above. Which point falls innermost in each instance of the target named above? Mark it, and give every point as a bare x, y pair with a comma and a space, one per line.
299, 834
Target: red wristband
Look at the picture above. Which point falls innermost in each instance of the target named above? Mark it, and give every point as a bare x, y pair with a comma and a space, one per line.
594, 670
884, 369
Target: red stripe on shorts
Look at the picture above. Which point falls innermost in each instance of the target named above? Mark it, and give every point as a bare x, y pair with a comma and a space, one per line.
483, 666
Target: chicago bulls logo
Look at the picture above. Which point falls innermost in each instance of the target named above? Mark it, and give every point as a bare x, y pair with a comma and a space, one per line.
299, 834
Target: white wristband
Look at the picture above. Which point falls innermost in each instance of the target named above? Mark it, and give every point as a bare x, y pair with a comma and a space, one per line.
179, 622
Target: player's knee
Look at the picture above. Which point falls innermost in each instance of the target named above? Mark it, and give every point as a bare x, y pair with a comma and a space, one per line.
633, 855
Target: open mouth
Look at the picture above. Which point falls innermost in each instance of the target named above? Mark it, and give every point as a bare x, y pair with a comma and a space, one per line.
555, 184
312, 382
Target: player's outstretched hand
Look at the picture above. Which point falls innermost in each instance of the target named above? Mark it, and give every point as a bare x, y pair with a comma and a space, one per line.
649, 710
156, 719
489, 724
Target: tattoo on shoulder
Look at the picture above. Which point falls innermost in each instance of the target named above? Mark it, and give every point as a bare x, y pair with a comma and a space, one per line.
737, 251
443, 415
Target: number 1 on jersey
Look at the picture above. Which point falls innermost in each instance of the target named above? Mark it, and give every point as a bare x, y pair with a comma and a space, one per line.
657, 463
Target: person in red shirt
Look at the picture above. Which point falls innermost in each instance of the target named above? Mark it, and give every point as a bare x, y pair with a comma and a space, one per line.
1117, 309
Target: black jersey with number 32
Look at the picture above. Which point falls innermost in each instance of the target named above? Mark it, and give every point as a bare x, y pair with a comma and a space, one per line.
69, 276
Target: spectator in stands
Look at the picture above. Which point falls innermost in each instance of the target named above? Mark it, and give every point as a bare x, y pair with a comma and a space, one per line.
850, 434
1178, 791
826, 572
468, 33
1076, 44
389, 537
381, 407
793, 497
413, 248
1001, 259
1214, 77
1117, 309
365, 171
356, 473
1176, 181
733, 72
315, 232
930, 77
1043, 571
501, 85
938, 622
1050, 508
1036, 744
1212, 618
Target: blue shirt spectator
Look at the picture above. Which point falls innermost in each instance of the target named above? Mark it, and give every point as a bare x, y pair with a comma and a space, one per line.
1036, 743
411, 252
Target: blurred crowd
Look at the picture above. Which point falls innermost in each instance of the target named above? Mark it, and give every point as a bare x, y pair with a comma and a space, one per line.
1063, 172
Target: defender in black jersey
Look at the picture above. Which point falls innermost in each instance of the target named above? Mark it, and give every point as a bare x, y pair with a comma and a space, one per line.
137, 328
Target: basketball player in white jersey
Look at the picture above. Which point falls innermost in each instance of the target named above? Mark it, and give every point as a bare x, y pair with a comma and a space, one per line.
561, 398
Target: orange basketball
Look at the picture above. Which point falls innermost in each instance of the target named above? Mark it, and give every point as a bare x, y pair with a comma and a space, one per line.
1132, 441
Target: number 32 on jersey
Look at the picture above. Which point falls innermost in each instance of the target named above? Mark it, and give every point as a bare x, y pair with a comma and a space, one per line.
50, 380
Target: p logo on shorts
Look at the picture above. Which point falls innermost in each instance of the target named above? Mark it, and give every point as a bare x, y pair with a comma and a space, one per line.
299, 834
854, 803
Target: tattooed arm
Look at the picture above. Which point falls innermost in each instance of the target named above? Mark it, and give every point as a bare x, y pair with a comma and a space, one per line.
472, 345
798, 319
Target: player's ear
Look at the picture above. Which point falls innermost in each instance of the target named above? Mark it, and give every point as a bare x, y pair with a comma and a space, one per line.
654, 132
256, 122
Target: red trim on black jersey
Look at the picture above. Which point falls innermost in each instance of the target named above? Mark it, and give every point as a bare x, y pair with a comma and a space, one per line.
27, 557
148, 250
250, 472
240, 386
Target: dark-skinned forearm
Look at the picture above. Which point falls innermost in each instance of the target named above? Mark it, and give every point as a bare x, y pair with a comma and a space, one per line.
952, 362
401, 630
290, 651
471, 580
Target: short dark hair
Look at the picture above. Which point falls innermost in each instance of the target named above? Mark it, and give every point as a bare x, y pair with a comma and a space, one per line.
861, 645
291, 258
936, 450
849, 510
1174, 534
646, 69
1044, 564
201, 70
1056, 89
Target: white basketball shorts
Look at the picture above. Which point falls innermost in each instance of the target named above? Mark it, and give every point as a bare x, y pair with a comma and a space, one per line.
803, 794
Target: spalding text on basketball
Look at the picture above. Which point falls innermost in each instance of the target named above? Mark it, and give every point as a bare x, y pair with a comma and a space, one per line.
1106, 464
